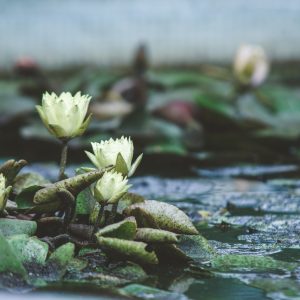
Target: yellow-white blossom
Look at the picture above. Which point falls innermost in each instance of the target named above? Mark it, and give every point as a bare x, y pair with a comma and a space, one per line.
64, 115
251, 65
4, 192
110, 188
118, 153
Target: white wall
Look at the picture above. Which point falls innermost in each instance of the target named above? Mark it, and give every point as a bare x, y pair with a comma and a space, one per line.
105, 32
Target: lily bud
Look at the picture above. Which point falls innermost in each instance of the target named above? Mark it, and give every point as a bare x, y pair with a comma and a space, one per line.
4, 193
251, 66
118, 153
110, 188
65, 115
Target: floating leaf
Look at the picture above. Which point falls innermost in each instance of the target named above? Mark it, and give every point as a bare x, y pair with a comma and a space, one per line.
29, 249
196, 247
161, 215
63, 254
124, 230
129, 199
225, 263
27, 180
13, 226
145, 292
10, 262
131, 250
85, 202
150, 235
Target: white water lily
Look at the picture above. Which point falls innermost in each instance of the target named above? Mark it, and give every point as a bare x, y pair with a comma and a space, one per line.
118, 153
110, 188
4, 192
65, 116
251, 65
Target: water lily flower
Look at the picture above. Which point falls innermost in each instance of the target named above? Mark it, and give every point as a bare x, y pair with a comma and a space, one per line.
65, 116
110, 188
4, 192
251, 65
118, 153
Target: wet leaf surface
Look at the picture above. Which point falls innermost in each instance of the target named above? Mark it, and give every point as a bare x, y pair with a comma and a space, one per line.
14, 226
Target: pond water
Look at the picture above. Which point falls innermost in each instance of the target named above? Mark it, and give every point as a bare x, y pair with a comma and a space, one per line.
255, 217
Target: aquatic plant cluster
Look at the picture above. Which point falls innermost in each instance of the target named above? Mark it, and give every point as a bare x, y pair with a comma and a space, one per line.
92, 210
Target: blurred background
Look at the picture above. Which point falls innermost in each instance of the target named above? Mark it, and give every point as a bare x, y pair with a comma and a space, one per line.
196, 84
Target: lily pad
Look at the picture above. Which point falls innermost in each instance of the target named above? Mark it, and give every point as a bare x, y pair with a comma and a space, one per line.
63, 254
26, 180
145, 292
131, 250
150, 235
124, 230
231, 262
196, 247
10, 262
29, 249
13, 226
161, 215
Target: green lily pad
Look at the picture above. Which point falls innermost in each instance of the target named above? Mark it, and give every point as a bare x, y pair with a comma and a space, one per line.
145, 292
85, 202
76, 265
26, 180
29, 249
131, 250
15, 226
25, 202
63, 254
189, 249
124, 230
150, 235
225, 263
196, 247
10, 262
129, 199
161, 215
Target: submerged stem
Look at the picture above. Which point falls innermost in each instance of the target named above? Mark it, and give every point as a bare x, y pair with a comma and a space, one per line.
113, 213
63, 160
99, 218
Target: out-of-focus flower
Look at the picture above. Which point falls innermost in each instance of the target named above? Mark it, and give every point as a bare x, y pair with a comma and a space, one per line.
65, 116
251, 65
110, 188
113, 106
4, 192
118, 153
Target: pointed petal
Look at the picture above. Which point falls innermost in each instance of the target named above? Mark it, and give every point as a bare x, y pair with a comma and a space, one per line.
84, 125
93, 159
135, 165
58, 131
121, 166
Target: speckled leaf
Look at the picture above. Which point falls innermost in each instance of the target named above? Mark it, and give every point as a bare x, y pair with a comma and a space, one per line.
190, 248
125, 229
26, 180
85, 202
231, 262
29, 249
63, 254
129, 199
145, 292
196, 247
10, 262
161, 215
131, 250
150, 235
14, 226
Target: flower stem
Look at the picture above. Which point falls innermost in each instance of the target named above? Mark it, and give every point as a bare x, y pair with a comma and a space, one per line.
63, 160
99, 218
113, 213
